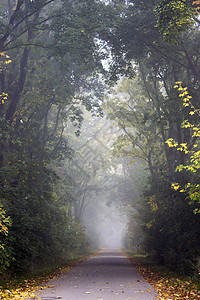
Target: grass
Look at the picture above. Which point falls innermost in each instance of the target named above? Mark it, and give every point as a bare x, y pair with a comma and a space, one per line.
168, 284
23, 286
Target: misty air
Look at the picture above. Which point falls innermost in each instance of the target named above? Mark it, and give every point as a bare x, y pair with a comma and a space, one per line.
99, 149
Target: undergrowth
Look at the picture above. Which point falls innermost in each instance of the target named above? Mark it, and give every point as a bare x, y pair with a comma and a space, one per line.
168, 284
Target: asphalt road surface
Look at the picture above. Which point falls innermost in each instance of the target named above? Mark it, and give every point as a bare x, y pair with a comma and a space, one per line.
107, 276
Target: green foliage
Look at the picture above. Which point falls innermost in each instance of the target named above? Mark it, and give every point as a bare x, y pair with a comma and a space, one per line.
51, 79
191, 150
170, 227
47, 176
174, 17
5, 248
147, 112
4, 222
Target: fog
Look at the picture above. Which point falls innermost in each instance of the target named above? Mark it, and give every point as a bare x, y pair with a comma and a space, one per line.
105, 224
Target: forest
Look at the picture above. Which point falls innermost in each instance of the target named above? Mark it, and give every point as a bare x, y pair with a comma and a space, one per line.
99, 131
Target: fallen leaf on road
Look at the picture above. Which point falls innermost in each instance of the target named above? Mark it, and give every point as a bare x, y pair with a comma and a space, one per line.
167, 285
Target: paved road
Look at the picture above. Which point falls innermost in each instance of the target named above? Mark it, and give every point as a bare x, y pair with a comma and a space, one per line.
107, 276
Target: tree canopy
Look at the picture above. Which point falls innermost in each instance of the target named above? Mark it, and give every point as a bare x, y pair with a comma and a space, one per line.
63, 65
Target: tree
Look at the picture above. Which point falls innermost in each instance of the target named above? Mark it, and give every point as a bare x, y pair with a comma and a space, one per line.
161, 211
49, 82
133, 116
5, 249
140, 38
191, 150
5, 221
175, 18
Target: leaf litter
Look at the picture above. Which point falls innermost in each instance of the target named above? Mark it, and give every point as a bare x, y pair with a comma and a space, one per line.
168, 286
10, 290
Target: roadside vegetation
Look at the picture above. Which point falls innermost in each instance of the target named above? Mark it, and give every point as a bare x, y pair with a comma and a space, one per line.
99, 131
168, 284
24, 287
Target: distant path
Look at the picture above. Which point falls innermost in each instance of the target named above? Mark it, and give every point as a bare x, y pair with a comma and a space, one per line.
107, 276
